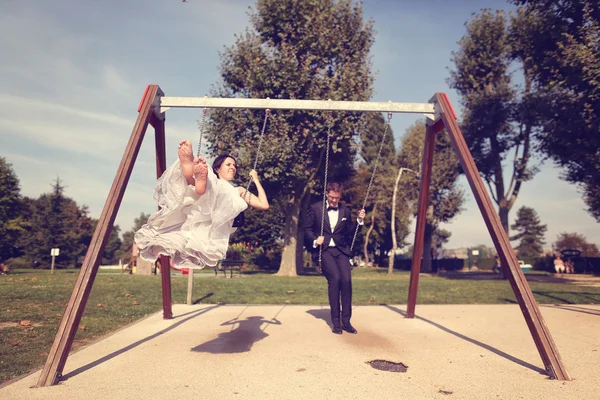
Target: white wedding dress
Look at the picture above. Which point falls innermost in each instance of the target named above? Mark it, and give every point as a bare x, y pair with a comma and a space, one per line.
193, 230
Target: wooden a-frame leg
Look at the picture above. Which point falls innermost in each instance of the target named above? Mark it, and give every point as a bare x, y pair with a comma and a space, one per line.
161, 166
426, 167
63, 341
533, 316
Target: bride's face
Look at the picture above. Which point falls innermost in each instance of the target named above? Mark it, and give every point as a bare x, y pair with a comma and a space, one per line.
227, 170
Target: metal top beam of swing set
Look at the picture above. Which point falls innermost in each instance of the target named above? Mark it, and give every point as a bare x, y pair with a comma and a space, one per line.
325, 105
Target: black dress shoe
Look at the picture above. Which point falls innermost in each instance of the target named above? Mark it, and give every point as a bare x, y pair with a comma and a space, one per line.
337, 330
349, 328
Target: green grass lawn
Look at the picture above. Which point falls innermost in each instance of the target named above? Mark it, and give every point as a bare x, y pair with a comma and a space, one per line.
118, 300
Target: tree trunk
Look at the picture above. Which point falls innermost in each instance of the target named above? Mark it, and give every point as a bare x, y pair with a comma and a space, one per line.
300, 234
503, 214
365, 248
288, 266
427, 240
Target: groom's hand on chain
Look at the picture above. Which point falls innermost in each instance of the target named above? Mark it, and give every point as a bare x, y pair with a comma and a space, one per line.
361, 216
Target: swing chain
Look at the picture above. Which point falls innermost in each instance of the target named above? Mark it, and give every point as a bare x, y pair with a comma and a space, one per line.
262, 133
387, 125
204, 111
329, 126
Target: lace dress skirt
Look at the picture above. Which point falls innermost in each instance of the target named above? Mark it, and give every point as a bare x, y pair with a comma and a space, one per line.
193, 230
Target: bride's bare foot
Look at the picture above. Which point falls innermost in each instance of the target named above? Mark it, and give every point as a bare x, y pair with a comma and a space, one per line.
200, 170
186, 158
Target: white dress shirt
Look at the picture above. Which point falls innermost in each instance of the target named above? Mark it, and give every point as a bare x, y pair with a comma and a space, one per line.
333, 219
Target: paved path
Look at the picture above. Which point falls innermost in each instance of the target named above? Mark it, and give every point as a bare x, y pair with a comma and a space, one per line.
288, 352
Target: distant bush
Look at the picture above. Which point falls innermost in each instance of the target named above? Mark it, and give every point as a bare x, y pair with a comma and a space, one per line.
254, 256
19, 263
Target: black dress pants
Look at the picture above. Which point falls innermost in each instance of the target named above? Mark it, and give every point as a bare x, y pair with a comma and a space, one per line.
337, 270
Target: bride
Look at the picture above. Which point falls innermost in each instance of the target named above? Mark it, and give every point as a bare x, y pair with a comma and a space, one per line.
197, 207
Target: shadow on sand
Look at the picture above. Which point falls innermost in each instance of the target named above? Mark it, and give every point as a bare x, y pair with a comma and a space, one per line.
190, 315
242, 336
322, 313
475, 342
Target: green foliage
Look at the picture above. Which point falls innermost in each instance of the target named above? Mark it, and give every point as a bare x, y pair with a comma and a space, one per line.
530, 233
445, 196
254, 255
12, 225
240, 251
561, 40
379, 201
497, 118
264, 228
439, 238
125, 251
113, 247
56, 221
575, 241
592, 199
296, 49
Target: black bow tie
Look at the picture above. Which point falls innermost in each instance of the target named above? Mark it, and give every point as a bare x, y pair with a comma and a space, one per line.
332, 208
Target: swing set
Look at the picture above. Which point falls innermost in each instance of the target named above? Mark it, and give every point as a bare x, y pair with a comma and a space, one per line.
440, 115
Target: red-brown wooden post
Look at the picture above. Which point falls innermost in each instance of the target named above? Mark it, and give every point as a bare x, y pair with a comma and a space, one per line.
427, 162
161, 165
63, 341
533, 316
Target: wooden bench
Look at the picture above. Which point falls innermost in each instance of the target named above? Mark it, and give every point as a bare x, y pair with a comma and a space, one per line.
228, 265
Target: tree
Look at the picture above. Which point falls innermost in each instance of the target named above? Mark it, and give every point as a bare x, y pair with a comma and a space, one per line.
561, 40
266, 229
377, 166
439, 239
56, 221
12, 224
530, 233
445, 197
127, 243
82, 236
297, 49
575, 241
113, 247
497, 119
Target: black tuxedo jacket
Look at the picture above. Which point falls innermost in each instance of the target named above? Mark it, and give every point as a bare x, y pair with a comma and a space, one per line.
342, 233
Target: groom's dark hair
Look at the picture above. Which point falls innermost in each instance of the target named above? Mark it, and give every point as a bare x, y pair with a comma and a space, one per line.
219, 160
335, 186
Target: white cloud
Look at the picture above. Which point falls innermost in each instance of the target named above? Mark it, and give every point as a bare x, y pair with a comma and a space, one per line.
25, 107
115, 82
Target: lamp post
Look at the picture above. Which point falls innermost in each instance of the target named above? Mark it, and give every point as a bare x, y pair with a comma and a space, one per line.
394, 241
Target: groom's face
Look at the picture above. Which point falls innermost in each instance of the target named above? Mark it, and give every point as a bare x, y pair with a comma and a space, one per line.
333, 198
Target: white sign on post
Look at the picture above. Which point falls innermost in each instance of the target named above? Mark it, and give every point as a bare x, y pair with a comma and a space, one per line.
475, 252
54, 252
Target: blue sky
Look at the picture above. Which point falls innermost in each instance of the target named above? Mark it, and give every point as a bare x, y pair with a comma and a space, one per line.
73, 72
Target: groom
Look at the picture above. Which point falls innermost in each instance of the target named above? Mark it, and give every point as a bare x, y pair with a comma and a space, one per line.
338, 232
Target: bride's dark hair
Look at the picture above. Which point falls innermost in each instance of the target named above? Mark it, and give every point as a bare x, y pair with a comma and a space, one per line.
219, 160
